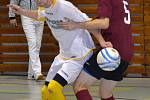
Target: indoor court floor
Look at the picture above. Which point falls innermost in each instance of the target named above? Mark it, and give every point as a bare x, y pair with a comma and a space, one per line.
18, 88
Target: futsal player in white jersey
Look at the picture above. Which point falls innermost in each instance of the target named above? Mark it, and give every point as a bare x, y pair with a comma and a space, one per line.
75, 45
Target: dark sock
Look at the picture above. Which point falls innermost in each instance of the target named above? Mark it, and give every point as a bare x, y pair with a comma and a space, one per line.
46, 83
111, 98
59, 79
83, 95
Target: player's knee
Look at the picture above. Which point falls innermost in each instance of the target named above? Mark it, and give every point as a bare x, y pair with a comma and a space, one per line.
83, 82
105, 93
54, 87
78, 86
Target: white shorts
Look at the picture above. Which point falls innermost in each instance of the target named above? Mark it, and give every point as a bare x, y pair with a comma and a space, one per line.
68, 69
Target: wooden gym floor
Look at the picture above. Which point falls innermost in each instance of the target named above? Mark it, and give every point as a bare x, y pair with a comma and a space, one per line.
18, 88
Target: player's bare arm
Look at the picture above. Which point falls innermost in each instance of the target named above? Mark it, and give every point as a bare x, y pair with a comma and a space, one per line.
93, 24
18, 10
71, 25
97, 34
95, 30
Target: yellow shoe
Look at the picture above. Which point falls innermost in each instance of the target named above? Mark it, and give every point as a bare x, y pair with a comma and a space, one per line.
44, 93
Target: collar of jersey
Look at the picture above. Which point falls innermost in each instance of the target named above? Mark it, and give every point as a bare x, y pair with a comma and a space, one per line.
51, 8
54, 3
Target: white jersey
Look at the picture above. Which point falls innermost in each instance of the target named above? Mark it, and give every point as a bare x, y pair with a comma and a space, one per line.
75, 43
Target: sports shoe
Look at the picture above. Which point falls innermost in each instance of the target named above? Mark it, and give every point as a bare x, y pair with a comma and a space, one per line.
44, 93
39, 77
30, 77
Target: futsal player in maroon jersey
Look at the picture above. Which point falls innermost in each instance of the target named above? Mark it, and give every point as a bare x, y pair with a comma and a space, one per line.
115, 22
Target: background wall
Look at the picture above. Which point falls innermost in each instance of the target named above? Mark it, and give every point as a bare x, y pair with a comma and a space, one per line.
13, 44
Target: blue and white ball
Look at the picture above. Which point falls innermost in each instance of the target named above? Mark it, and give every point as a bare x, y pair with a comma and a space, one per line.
108, 59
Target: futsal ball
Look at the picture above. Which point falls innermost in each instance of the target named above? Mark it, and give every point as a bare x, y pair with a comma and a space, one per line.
108, 59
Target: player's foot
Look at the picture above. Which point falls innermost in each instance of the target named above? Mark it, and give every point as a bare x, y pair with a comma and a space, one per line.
44, 93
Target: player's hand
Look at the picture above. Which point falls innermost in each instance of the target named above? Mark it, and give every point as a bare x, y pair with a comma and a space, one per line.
13, 22
106, 44
16, 9
68, 25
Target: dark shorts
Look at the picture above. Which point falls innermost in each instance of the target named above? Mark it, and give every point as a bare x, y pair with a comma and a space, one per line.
92, 68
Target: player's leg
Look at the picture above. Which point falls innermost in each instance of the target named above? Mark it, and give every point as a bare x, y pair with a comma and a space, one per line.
54, 89
66, 75
81, 86
110, 81
56, 65
89, 75
106, 89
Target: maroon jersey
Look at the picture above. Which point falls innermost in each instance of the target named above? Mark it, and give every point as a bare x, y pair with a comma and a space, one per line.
119, 31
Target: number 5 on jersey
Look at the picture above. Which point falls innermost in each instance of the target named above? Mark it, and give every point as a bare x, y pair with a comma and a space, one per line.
127, 19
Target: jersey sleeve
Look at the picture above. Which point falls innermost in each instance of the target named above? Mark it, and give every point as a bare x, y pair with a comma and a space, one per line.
80, 16
75, 14
104, 9
41, 14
